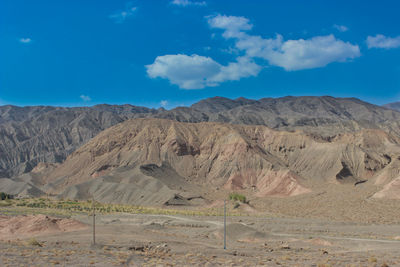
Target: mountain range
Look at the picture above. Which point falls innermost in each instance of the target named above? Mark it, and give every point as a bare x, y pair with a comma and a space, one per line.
275, 147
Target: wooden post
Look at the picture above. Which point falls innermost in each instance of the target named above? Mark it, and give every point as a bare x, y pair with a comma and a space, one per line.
94, 221
224, 224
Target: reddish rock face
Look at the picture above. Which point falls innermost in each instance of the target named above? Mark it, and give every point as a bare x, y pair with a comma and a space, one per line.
26, 226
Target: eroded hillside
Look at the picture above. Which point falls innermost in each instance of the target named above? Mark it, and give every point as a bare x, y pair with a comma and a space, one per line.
149, 161
30, 135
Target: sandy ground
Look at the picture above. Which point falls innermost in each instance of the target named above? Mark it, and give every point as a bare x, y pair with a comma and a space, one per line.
31, 225
166, 240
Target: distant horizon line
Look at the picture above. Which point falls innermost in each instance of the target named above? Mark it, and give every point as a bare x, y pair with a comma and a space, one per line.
188, 105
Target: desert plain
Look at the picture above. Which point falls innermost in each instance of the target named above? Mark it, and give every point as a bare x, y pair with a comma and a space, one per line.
49, 236
307, 181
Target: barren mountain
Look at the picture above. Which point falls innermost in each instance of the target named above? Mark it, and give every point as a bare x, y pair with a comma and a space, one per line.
29, 135
153, 161
394, 106
324, 115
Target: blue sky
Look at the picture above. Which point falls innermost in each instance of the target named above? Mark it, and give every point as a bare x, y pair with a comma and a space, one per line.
176, 52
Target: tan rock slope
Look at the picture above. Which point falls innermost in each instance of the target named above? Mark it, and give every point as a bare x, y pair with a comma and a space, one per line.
150, 161
12, 227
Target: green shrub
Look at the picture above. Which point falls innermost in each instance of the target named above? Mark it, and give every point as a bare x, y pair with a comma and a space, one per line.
4, 196
237, 197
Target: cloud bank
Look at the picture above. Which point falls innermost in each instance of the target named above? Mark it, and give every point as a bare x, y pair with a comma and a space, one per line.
197, 72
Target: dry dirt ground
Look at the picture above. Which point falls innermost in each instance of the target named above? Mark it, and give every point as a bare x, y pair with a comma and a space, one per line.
177, 240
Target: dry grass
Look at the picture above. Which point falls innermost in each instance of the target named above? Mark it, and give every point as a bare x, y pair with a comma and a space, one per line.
69, 208
34, 242
372, 260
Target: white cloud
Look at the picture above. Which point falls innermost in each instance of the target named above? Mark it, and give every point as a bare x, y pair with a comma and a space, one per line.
341, 28
85, 98
234, 71
382, 41
230, 50
233, 26
163, 103
299, 54
122, 15
291, 55
25, 40
197, 72
188, 72
188, 3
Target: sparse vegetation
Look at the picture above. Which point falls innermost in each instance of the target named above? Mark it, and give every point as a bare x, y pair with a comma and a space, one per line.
69, 208
372, 260
4, 196
237, 197
34, 242
5, 203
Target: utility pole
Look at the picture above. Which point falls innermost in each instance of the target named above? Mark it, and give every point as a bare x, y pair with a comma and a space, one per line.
224, 224
94, 221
